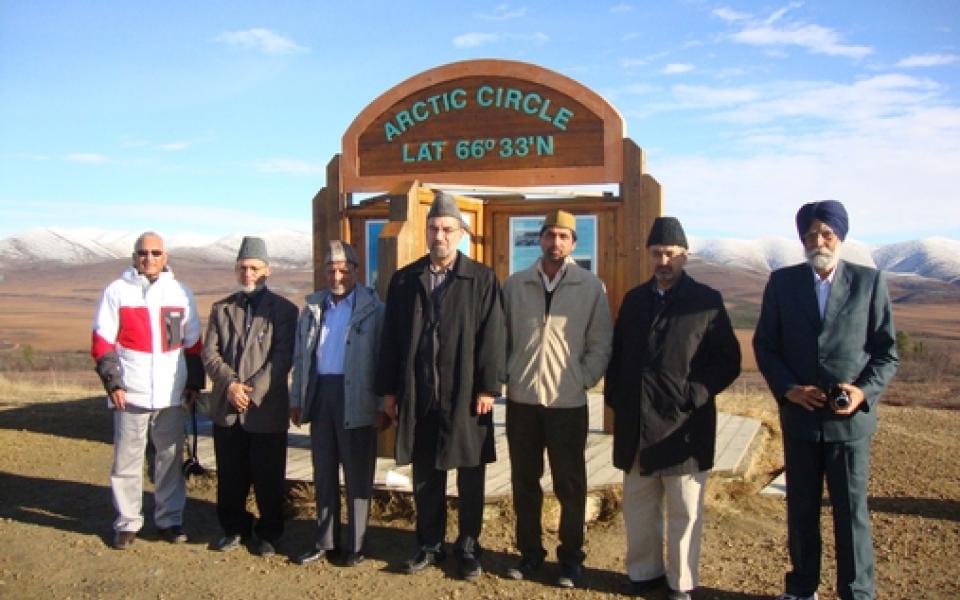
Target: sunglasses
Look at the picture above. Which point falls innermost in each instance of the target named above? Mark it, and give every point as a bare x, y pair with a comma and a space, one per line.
154, 253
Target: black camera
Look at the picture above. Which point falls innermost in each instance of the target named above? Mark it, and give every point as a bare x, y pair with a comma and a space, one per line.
192, 466
839, 398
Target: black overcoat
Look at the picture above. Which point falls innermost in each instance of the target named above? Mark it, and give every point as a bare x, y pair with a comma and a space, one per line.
472, 352
664, 374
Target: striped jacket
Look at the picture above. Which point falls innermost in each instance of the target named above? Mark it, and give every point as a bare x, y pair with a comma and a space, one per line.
146, 339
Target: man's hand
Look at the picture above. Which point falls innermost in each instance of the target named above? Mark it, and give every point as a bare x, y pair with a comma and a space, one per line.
295, 415
119, 398
856, 398
390, 406
809, 397
381, 421
238, 396
484, 403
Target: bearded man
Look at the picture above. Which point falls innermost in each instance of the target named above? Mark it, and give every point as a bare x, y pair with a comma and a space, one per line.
826, 345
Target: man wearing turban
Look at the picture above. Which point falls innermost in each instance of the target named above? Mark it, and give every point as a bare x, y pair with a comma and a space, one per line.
826, 345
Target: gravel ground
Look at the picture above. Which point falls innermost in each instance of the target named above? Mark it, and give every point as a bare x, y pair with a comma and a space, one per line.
55, 517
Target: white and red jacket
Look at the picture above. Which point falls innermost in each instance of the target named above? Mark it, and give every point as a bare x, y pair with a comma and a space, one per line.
146, 339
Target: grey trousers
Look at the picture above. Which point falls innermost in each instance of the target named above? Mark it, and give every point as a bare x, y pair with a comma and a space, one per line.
130, 429
332, 445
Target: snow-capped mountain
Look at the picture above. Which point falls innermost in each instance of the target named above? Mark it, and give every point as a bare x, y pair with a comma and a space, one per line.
937, 258
89, 246
286, 248
766, 254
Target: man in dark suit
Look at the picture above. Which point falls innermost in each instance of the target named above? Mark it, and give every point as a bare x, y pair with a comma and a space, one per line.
441, 365
248, 354
826, 345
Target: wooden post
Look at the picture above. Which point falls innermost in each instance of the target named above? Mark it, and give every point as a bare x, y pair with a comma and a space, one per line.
642, 199
401, 242
329, 218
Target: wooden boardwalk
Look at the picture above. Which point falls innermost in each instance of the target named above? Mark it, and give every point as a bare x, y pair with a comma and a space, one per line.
735, 440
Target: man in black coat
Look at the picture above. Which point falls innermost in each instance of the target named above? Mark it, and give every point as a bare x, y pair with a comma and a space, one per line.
442, 356
674, 350
826, 327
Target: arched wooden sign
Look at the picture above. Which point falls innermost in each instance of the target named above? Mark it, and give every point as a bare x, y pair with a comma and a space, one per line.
489, 122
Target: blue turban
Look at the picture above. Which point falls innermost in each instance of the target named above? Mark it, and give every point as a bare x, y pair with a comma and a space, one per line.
830, 212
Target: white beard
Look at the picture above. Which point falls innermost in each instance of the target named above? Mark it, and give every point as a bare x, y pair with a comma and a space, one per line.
823, 260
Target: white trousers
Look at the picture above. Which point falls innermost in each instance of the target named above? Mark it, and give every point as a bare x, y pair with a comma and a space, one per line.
648, 501
130, 429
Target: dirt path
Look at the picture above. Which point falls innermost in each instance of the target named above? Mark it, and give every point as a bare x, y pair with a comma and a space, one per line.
55, 517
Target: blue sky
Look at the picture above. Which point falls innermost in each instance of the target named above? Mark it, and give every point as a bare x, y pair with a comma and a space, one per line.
220, 117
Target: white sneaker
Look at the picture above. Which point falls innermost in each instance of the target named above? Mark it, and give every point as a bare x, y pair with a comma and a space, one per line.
786, 596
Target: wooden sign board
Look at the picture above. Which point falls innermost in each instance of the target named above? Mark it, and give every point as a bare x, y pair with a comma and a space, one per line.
484, 122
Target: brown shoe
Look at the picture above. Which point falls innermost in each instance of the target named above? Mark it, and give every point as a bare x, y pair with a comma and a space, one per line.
124, 539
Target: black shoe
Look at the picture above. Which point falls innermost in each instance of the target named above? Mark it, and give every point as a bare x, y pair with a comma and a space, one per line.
227, 543
569, 575
174, 534
353, 559
423, 559
124, 539
314, 555
637, 588
266, 549
470, 568
526, 567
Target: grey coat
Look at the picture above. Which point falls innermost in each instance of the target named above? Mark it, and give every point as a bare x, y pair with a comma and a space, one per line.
363, 340
264, 365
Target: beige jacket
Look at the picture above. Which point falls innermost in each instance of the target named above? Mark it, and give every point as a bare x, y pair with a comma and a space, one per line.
554, 359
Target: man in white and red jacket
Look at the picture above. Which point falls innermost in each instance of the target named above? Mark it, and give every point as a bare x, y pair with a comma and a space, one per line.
146, 341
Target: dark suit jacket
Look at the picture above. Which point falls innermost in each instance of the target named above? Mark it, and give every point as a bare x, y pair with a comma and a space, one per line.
264, 365
854, 343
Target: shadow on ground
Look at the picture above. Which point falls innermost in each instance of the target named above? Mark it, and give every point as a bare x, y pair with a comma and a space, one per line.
85, 508
83, 419
928, 508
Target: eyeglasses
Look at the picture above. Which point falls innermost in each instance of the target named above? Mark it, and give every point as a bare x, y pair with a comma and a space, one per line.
447, 231
828, 235
153, 253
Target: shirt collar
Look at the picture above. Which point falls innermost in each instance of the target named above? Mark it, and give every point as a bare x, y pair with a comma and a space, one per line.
828, 279
560, 273
350, 299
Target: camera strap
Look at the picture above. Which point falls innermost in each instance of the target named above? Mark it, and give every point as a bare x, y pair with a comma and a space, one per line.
192, 450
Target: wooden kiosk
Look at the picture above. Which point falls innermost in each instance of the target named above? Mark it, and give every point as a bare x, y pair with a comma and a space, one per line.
506, 138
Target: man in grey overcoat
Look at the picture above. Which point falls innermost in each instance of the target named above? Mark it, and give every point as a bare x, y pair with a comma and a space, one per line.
338, 336
441, 366
826, 327
247, 354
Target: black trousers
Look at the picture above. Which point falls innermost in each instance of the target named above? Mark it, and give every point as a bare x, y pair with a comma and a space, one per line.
846, 468
429, 492
245, 459
563, 433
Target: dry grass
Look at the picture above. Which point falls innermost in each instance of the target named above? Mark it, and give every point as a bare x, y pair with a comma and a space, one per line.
19, 388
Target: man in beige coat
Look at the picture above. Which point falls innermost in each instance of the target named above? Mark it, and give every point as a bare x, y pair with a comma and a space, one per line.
248, 354
559, 342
